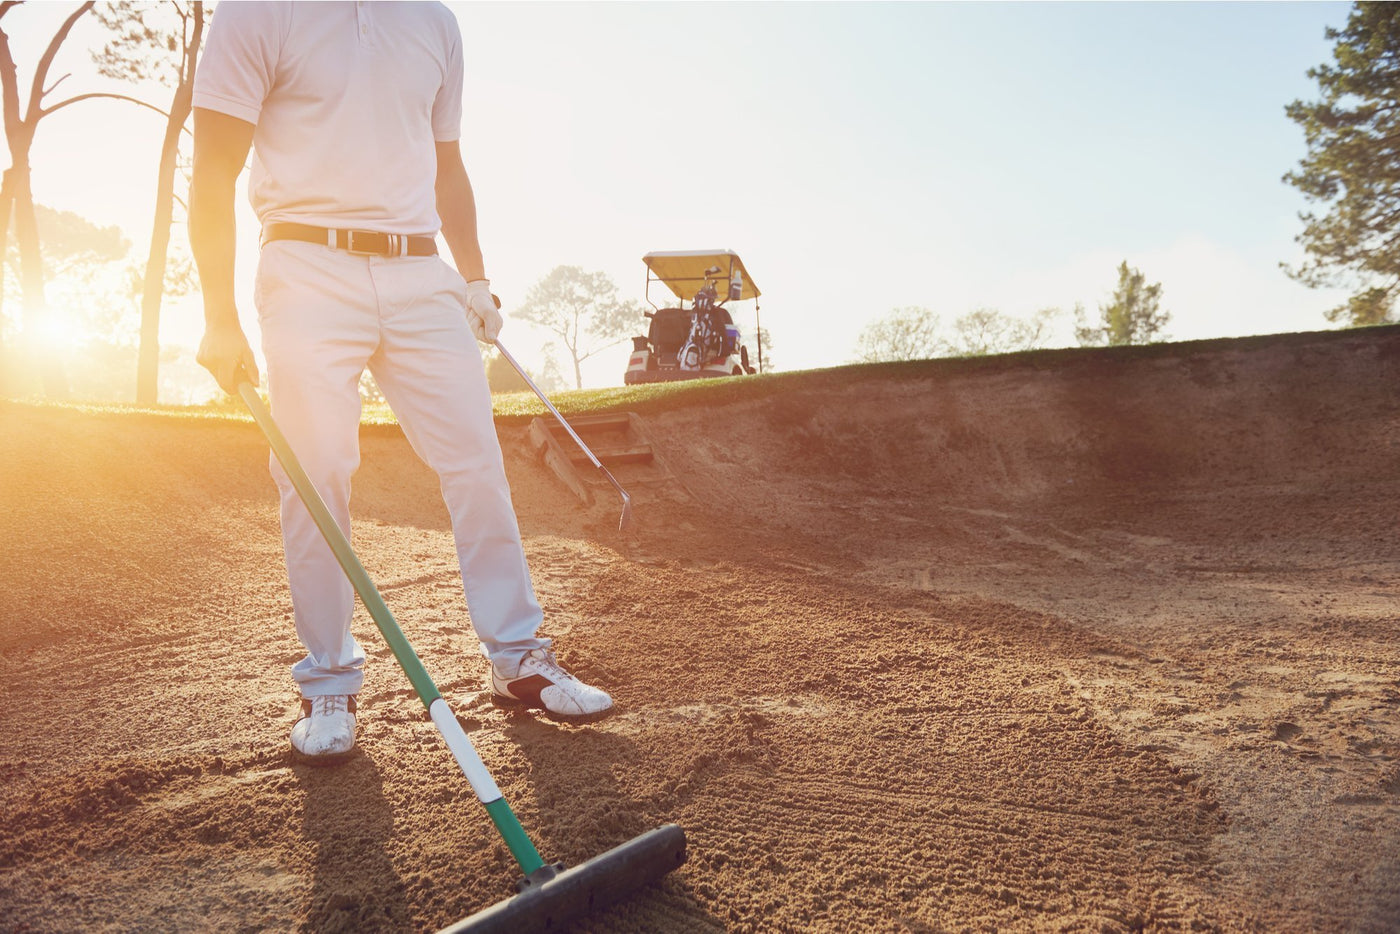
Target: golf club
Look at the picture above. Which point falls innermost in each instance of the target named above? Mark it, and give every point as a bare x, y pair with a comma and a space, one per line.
626, 500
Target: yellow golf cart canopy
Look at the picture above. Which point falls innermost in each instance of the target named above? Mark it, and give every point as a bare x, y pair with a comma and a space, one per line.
683, 272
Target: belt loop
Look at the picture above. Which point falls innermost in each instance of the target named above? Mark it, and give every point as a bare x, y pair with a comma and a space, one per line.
331, 239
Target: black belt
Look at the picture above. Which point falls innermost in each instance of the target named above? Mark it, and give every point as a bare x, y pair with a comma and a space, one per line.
359, 242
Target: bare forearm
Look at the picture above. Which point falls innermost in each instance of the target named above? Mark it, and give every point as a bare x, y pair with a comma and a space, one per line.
457, 208
212, 229
221, 144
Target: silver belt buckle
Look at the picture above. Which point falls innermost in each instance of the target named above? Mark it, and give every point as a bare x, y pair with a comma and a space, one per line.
350, 244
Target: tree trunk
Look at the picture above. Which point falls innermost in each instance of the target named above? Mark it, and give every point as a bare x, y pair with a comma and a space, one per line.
19, 135
27, 238
153, 289
7, 200
41, 336
9, 96
148, 357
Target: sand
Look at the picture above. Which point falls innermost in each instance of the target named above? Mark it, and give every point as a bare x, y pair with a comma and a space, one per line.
1085, 641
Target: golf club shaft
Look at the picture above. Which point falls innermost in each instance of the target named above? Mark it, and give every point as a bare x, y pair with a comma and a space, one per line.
626, 500
516, 840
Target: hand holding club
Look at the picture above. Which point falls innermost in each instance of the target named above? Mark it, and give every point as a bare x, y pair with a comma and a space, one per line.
224, 351
483, 311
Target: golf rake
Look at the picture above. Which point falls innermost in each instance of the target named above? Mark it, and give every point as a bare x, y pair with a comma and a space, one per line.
550, 895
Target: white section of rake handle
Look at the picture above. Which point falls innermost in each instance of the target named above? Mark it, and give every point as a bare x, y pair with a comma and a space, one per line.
462, 750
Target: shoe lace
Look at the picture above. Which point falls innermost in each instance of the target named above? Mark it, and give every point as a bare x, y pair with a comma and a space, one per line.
545, 659
328, 704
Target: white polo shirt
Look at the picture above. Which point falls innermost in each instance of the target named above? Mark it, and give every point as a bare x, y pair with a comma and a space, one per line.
347, 99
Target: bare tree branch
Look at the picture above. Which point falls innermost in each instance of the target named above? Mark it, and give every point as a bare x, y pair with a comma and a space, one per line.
49, 89
116, 97
41, 72
13, 124
602, 348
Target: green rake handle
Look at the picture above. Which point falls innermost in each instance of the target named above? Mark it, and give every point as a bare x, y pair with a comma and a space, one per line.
504, 819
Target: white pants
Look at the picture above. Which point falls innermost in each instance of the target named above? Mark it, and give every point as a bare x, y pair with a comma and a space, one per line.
325, 315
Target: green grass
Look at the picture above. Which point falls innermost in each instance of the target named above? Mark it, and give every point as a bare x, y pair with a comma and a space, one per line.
517, 408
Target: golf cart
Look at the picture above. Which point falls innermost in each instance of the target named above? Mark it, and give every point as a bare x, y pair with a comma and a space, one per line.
700, 340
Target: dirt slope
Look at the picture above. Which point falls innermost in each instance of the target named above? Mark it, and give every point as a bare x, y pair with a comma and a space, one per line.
1074, 641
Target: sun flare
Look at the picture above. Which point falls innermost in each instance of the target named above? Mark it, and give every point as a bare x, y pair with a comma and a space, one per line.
58, 330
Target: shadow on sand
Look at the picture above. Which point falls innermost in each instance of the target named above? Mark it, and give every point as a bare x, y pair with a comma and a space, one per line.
584, 811
349, 821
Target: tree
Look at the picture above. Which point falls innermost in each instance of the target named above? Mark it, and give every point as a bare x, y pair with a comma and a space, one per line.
985, 331
550, 378
765, 341
904, 334
16, 194
582, 309
501, 376
1133, 316
1352, 167
144, 47
82, 260
68, 241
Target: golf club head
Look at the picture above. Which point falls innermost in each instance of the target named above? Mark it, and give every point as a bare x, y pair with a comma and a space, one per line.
626, 513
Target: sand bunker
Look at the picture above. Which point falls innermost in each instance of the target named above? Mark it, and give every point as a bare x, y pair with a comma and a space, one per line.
1076, 641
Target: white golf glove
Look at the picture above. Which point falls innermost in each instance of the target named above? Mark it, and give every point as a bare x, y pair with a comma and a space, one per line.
482, 314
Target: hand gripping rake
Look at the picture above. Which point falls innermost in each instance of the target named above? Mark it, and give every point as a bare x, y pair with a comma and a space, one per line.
550, 895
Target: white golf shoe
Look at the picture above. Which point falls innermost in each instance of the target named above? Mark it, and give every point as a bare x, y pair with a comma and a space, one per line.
539, 683
327, 726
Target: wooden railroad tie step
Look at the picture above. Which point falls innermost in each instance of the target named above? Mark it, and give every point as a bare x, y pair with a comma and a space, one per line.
615, 438
607, 456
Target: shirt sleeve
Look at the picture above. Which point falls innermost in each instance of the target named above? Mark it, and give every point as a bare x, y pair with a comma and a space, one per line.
239, 65
447, 106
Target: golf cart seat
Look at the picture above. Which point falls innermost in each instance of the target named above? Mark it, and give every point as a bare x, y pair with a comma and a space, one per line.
669, 329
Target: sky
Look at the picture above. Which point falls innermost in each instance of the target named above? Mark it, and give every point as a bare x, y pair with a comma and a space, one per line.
860, 157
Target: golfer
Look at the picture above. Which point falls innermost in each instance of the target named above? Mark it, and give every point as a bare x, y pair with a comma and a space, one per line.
353, 112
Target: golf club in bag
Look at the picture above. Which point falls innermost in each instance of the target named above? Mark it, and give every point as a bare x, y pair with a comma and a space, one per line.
550, 895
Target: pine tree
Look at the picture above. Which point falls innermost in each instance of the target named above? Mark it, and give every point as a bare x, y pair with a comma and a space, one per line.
1352, 168
1133, 316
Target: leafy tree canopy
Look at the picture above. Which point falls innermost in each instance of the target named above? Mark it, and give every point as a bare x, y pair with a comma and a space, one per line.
583, 310
70, 238
914, 333
909, 333
75, 252
1352, 168
147, 41
1132, 316
501, 376
984, 331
